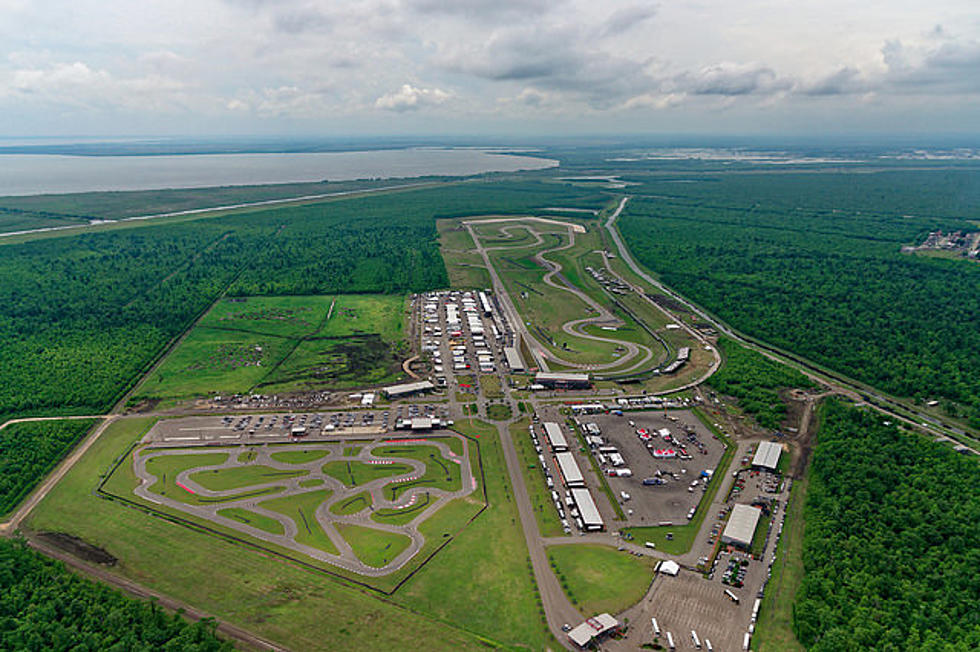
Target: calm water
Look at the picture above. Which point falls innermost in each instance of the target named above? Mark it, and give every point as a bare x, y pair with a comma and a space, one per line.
33, 174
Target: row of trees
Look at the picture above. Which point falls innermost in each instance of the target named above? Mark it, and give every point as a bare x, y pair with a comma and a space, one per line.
45, 607
755, 380
29, 450
831, 285
891, 544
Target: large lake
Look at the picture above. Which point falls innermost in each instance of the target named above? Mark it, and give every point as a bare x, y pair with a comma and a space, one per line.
33, 174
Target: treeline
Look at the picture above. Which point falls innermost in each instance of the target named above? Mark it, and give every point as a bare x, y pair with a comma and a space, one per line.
891, 546
82, 316
45, 607
755, 380
828, 283
29, 450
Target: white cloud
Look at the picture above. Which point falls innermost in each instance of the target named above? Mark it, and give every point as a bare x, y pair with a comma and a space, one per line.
409, 98
264, 63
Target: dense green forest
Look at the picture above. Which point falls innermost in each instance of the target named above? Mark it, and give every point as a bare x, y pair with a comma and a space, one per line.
28, 451
891, 546
83, 316
755, 380
45, 607
812, 264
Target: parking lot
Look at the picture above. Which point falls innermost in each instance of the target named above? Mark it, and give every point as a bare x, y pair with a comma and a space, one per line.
462, 333
662, 463
252, 428
689, 602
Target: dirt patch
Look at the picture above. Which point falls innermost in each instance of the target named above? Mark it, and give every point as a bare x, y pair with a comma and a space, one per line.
667, 302
77, 548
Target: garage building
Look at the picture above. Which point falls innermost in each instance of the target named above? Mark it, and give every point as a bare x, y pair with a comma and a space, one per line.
741, 525
555, 437
587, 509
767, 456
569, 470
407, 389
514, 360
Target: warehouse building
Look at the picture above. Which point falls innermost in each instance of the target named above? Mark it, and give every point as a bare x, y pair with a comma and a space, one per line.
553, 380
514, 360
570, 472
767, 456
555, 437
587, 510
408, 389
741, 526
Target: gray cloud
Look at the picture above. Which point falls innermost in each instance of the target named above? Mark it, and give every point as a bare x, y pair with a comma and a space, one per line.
627, 18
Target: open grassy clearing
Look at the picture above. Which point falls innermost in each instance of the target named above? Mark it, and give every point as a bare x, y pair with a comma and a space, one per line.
242, 476
214, 361
301, 508
288, 317
404, 516
354, 473
537, 490
299, 456
275, 600
464, 266
352, 505
256, 520
599, 578
487, 559
440, 473
373, 547
774, 630
282, 344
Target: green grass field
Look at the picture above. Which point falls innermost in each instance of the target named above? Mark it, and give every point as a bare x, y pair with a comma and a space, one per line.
601, 579
288, 317
354, 474
256, 520
537, 490
214, 361
499, 412
465, 267
485, 573
299, 456
352, 505
301, 509
241, 476
774, 630
402, 516
373, 547
280, 344
440, 473
275, 600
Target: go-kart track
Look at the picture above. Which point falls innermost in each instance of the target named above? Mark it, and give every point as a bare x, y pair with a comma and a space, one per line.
258, 484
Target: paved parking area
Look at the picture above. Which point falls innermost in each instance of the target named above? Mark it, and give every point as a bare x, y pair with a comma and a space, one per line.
279, 427
683, 484
690, 602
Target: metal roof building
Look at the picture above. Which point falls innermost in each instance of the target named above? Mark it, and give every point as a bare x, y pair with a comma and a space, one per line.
587, 509
569, 470
553, 379
513, 357
406, 389
592, 628
741, 525
555, 437
767, 455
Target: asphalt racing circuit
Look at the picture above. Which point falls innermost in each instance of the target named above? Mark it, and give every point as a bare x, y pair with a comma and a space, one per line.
187, 491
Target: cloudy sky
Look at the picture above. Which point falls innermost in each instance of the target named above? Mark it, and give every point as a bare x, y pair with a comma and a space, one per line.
358, 67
